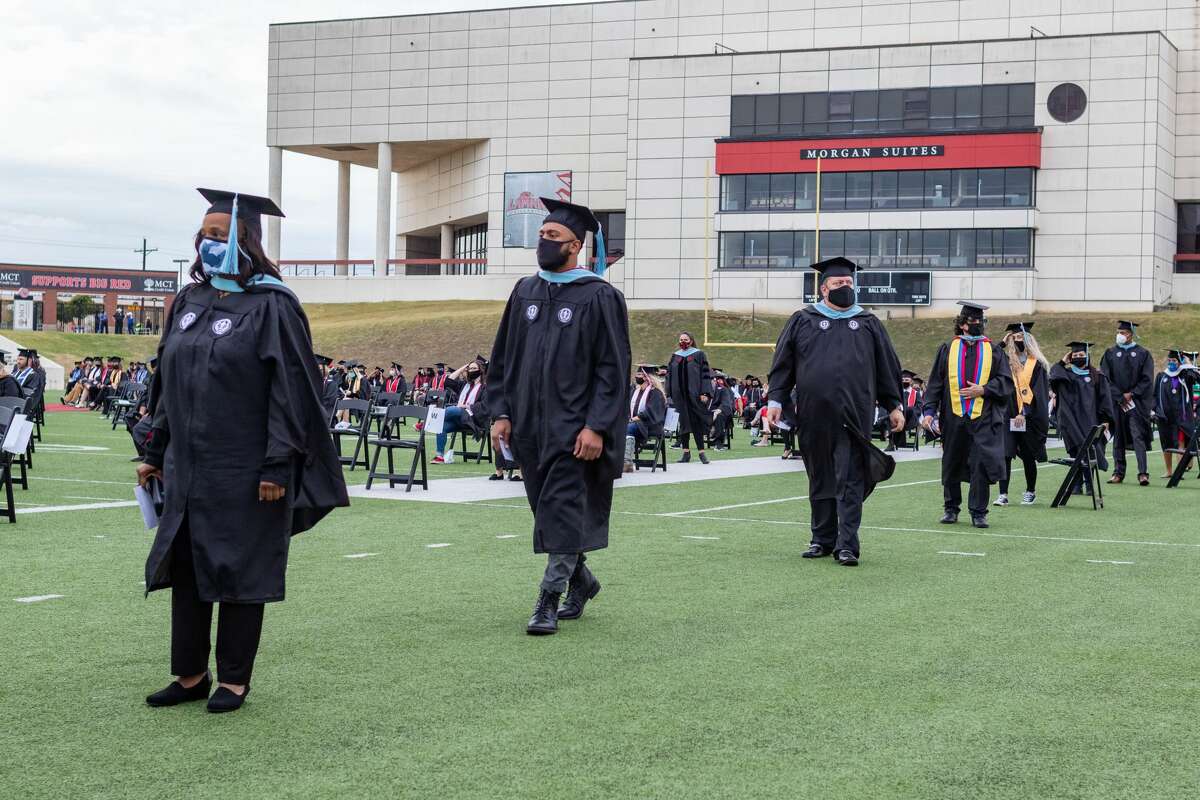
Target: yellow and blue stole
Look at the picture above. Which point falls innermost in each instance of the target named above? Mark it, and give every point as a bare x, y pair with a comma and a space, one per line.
970, 407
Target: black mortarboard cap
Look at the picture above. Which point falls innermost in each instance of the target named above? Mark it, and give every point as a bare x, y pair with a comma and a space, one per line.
579, 219
1077, 346
837, 267
1191, 354
1176, 354
153, 361
440, 365
397, 365
250, 207
110, 358
972, 309
324, 361
1126, 325
1019, 327
22, 351
908, 373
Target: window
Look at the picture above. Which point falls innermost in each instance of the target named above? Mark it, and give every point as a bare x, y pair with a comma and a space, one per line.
1007, 248
470, 243
883, 190
733, 192
991, 188
1189, 229
965, 188
614, 234
937, 188
993, 106
783, 191
1018, 187
833, 192
912, 189
858, 191
806, 192
758, 192
1066, 102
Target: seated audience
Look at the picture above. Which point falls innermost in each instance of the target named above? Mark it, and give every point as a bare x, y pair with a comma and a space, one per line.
647, 410
468, 381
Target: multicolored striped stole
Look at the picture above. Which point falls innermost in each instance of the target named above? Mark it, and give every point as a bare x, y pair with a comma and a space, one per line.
957, 377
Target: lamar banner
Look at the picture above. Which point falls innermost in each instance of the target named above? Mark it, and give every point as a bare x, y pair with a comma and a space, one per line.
523, 210
67, 280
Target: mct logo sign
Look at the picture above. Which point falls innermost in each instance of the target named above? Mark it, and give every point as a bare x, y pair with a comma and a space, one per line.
158, 284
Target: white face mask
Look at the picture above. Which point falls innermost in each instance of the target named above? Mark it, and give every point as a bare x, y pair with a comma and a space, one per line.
1122, 338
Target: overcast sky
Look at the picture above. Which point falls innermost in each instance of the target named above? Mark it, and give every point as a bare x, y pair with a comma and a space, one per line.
112, 113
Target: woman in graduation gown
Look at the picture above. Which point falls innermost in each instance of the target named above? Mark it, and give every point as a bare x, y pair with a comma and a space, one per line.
689, 378
1174, 407
647, 412
1031, 409
240, 441
1083, 401
967, 403
559, 394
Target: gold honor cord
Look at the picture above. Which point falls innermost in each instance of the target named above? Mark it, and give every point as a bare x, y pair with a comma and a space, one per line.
708, 244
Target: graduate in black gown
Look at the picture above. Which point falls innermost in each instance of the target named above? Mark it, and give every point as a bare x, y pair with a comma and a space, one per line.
839, 361
647, 411
1174, 407
559, 397
689, 388
240, 444
967, 403
331, 386
1030, 424
1083, 400
912, 399
8, 384
1129, 368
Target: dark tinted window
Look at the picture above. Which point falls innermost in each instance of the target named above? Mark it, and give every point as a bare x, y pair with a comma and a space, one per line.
889, 249
758, 192
791, 113
858, 190
883, 191
733, 193
941, 108
866, 111
806, 191
995, 106
833, 243
1018, 187
967, 101
1189, 228
937, 188
783, 191
816, 113
891, 109
912, 189
991, 188
766, 114
833, 191
781, 250
841, 111
1066, 102
1020, 105
741, 116
916, 109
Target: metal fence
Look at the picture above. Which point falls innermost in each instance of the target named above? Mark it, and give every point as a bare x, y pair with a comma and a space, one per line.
396, 267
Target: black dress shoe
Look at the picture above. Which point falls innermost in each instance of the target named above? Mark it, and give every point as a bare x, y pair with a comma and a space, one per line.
175, 694
225, 700
815, 551
1143, 480
582, 588
846, 558
979, 521
545, 614
495, 477
516, 478
949, 518
703, 458
685, 458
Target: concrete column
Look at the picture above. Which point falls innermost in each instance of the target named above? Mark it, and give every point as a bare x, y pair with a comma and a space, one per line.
275, 192
343, 217
447, 242
383, 208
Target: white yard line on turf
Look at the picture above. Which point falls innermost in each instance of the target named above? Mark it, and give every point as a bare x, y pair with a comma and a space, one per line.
1097, 561
37, 598
129, 483
360, 555
438, 544
958, 553
786, 499
88, 497
703, 538
507, 536
78, 507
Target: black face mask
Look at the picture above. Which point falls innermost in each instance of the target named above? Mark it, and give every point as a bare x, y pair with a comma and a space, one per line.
1020, 346
551, 255
1079, 361
842, 296
639, 380
472, 374
975, 329
907, 385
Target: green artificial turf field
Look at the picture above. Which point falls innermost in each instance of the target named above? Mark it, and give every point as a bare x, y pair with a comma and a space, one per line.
1017, 662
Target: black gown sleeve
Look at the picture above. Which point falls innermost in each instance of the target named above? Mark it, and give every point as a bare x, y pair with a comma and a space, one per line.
609, 405
498, 398
706, 381
655, 413
935, 387
1145, 379
782, 376
888, 381
1106, 407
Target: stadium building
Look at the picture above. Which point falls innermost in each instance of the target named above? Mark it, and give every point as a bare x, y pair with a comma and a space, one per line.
1035, 155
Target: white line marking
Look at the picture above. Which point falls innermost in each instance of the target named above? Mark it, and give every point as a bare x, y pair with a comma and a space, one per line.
705, 538
81, 507
98, 537
439, 544
1097, 561
507, 536
957, 553
37, 598
786, 499
50, 447
87, 497
360, 555
129, 482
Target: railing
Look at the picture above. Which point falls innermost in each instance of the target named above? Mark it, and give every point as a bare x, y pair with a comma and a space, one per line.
396, 267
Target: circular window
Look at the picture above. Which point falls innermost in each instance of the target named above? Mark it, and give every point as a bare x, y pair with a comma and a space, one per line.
1067, 102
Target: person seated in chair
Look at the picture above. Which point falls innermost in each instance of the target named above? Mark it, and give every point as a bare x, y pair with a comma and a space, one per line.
752, 400
913, 398
8, 384
396, 382
467, 380
720, 406
647, 411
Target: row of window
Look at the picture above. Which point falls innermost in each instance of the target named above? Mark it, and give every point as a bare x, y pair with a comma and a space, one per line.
994, 107
959, 248
1010, 187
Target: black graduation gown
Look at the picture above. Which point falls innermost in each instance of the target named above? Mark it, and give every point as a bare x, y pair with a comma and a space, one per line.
560, 363
721, 400
331, 392
971, 444
9, 387
1032, 443
688, 377
1174, 405
1083, 402
1130, 370
236, 403
840, 369
650, 421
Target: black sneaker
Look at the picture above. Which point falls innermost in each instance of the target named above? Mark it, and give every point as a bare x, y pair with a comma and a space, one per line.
703, 458
846, 558
174, 693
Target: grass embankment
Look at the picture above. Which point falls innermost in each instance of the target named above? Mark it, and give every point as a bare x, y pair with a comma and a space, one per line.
417, 334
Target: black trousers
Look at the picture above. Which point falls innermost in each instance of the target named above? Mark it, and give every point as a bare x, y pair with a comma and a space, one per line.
238, 627
977, 499
1030, 465
1138, 443
835, 520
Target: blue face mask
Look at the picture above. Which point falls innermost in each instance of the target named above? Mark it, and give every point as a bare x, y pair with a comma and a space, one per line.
217, 259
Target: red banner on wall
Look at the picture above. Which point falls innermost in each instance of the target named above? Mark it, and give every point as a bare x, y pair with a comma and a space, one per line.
873, 153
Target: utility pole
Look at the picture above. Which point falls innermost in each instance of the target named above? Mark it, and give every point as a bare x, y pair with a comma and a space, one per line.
144, 251
180, 262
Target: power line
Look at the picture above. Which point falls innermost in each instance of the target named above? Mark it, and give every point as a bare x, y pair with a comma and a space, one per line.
145, 252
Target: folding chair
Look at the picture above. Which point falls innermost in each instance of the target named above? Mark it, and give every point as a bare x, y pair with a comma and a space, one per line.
658, 444
1083, 464
436, 397
8, 407
1186, 457
128, 404
9, 509
379, 407
390, 440
358, 429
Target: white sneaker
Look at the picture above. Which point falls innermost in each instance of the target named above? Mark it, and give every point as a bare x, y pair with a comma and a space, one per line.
1002, 500
1028, 498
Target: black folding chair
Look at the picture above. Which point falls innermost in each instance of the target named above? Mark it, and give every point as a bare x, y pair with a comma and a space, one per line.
436, 397
658, 446
379, 407
128, 403
1084, 466
360, 414
1186, 457
483, 441
6, 465
8, 407
390, 440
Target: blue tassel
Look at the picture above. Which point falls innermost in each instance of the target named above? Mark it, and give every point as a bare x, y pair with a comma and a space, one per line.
601, 251
229, 264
